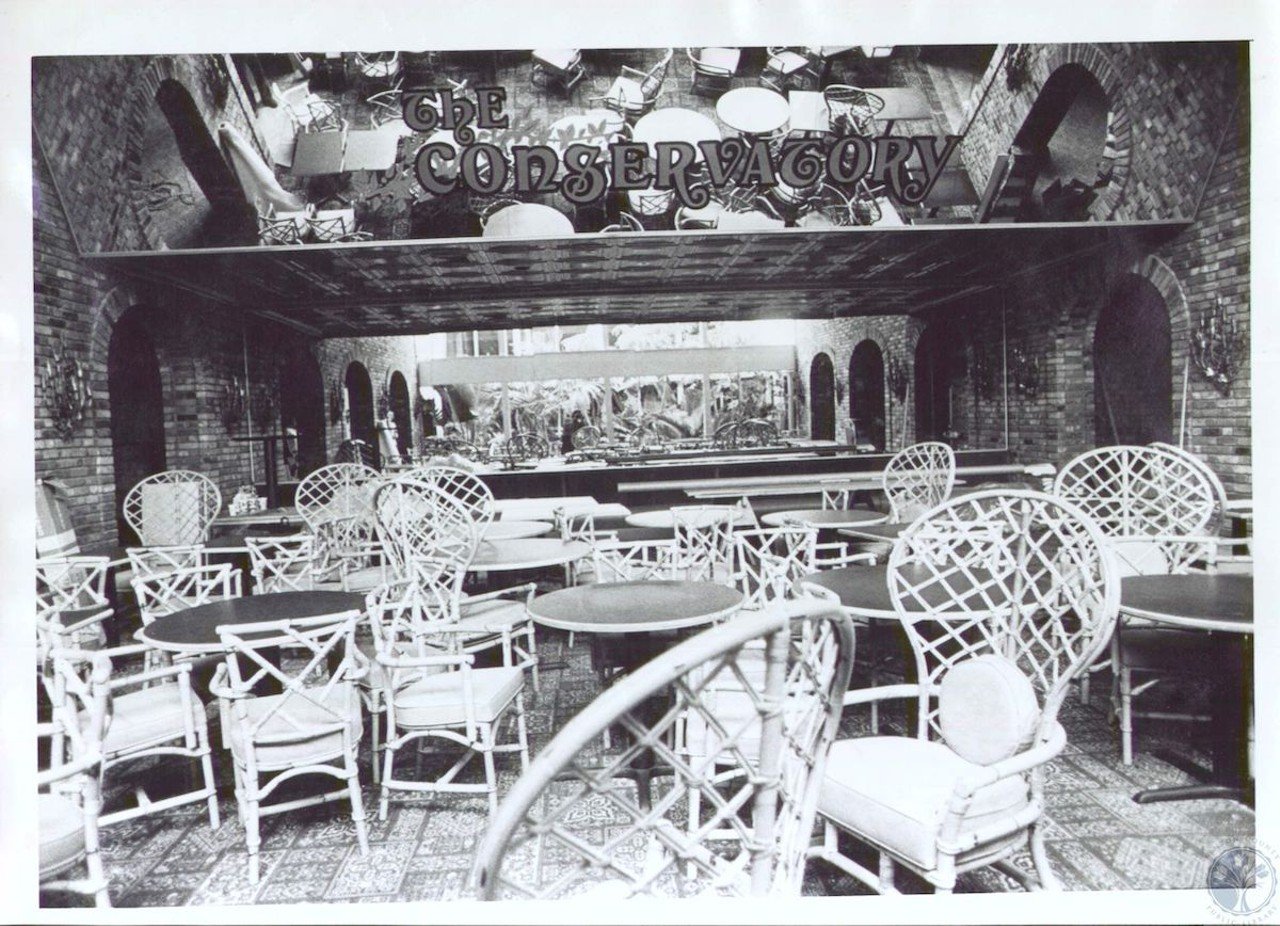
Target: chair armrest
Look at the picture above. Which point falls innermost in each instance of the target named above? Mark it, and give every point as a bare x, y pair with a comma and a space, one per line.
528, 588
880, 693
634, 73
838, 557
77, 766
412, 662
218, 686
1024, 761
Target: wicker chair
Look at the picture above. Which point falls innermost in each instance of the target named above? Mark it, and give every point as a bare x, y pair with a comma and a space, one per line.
549, 838
1005, 596
172, 508
634, 92
335, 502
917, 478
712, 69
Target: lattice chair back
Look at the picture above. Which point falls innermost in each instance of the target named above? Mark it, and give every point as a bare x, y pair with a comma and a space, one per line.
410, 617
153, 561
418, 520
169, 592
1219, 490
635, 560
851, 110
356, 451
704, 541
336, 504
71, 601
282, 564
172, 508
917, 478
1157, 507
769, 562
1020, 574
836, 499
316, 671
570, 826
467, 488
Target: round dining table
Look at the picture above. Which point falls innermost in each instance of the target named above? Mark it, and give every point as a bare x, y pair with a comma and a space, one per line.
516, 530
753, 110
194, 631
883, 531
665, 519
825, 518
675, 124
1211, 604
527, 220
528, 553
635, 607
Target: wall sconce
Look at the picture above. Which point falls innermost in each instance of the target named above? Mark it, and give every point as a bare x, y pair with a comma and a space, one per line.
262, 407
896, 376
986, 370
335, 405
1026, 372
1217, 347
231, 403
66, 389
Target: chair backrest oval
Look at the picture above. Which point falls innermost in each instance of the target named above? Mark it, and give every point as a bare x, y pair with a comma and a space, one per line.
918, 477
465, 486
1021, 574
806, 648
172, 508
420, 520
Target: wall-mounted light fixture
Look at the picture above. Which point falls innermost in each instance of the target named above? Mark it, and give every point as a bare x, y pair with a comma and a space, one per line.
231, 402
66, 388
1026, 372
1218, 347
985, 368
896, 376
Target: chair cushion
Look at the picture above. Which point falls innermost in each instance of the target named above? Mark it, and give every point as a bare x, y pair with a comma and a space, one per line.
365, 579
493, 612
894, 791
724, 58
987, 709
437, 700
61, 832
787, 62
148, 717
377, 676
301, 748
626, 91
556, 58
1137, 556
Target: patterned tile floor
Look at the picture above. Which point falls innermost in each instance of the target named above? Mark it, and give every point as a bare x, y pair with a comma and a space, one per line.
1099, 838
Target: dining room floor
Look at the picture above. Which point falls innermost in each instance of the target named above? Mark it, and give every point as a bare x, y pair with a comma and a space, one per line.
1098, 838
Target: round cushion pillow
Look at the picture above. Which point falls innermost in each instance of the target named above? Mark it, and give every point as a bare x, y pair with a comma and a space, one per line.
987, 709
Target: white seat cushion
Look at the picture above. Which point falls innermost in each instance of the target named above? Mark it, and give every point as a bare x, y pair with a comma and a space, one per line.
437, 700
492, 613
61, 832
301, 747
626, 91
787, 62
557, 58
723, 58
893, 791
987, 709
148, 717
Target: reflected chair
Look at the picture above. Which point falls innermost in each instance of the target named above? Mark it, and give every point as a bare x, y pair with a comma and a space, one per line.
574, 825
1159, 510
313, 727
379, 67
713, 69
278, 229
324, 116
69, 791
152, 712
431, 691
634, 92
172, 508
851, 110
1006, 597
791, 68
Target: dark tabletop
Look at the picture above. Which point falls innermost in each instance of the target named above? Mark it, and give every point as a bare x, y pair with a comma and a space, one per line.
1212, 601
625, 607
195, 629
884, 531
866, 588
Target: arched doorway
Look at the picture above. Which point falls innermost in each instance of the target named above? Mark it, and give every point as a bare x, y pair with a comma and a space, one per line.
302, 410
866, 393
1133, 366
1064, 143
401, 413
136, 403
822, 398
218, 209
939, 362
360, 412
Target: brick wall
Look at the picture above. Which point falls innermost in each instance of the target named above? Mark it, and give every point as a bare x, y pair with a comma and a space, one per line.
380, 357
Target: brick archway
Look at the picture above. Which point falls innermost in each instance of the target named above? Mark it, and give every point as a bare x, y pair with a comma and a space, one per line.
1120, 125
137, 109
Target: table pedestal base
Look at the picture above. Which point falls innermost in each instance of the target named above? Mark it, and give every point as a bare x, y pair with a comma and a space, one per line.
1207, 789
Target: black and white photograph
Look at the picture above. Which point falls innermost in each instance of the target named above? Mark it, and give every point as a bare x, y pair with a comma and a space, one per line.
790, 481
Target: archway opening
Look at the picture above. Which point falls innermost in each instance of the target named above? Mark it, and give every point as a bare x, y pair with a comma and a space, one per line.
187, 188
866, 393
136, 404
1133, 366
1064, 139
401, 413
939, 364
822, 398
302, 409
360, 411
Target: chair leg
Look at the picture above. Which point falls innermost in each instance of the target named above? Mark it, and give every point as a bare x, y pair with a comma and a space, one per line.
1040, 858
373, 744
384, 799
1126, 715
522, 733
490, 771
533, 659
206, 763
1084, 689
357, 803
251, 837
886, 875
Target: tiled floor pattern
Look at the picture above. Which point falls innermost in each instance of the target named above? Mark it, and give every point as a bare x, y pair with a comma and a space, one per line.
1099, 839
